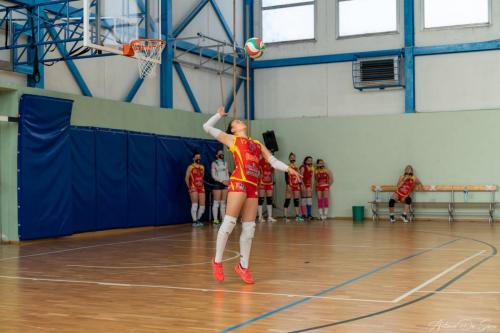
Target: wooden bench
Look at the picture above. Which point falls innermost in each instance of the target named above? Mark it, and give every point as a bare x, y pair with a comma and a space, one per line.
379, 206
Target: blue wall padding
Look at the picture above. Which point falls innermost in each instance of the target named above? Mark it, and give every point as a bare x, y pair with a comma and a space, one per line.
83, 179
173, 198
44, 182
77, 179
111, 178
173, 156
141, 189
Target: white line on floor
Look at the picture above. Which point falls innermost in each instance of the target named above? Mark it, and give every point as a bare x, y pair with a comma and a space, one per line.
93, 246
400, 298
340, 245
237, 255
130, 285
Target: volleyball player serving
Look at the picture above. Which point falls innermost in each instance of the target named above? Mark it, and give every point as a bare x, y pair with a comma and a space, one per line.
242, 197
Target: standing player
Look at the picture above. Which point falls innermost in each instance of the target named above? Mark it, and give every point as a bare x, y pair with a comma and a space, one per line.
220, 174
242, 196
307, 172
266, 190
292, 190
324, 180
194, 181
405, 187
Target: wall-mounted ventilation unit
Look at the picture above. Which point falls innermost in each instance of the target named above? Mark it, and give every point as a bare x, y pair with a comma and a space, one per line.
377, 73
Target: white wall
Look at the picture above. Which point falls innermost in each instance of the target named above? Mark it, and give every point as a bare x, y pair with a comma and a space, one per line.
319, 91
323, 90
456, 82
466, 81
326, 31
441, 36
7, 76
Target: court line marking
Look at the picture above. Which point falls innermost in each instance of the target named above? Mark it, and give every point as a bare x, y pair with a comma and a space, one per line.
494, 252
133, 285
93, 246
158, 266
338, 286
460, 292
446, 271
337, 245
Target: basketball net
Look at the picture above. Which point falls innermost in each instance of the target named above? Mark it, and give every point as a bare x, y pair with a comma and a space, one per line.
148, 54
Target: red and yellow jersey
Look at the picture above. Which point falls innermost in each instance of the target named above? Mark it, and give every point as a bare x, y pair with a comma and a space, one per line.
407, 185
307, 175
196, 174
266, 173
322, 177
291, 179
247, 154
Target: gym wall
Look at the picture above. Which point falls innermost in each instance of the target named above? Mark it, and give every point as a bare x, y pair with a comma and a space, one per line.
444, 148
451, 82
87, 112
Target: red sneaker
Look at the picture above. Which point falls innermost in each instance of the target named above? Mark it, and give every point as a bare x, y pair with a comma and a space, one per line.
244, 274
218, 271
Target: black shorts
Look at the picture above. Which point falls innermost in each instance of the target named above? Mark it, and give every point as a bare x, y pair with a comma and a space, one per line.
219, 186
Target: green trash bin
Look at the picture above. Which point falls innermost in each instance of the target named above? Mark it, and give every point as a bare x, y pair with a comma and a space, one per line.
358, 214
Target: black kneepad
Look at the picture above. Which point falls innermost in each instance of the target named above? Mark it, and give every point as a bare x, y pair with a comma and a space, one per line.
296, 202
269, 201
408, 201
392, 203
287, 203
261, 201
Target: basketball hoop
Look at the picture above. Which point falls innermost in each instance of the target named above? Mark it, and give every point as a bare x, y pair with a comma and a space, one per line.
148, 54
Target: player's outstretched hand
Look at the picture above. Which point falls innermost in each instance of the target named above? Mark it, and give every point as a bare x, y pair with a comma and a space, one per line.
222, 111
294, 172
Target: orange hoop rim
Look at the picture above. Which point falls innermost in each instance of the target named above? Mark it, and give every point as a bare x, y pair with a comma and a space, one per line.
158, 43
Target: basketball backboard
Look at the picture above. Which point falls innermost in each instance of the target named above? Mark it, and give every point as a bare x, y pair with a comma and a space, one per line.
110, 25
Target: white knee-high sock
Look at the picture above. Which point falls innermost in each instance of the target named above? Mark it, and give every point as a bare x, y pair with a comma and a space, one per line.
201, 210
215, 209
225, 230
247, 233
269, 211
222, 210
259, 210
194, 209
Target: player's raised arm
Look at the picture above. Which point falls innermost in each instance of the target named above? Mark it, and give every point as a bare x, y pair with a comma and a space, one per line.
224, 138
277, 164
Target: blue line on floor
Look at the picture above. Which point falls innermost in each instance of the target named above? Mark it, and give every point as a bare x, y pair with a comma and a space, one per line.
323, 292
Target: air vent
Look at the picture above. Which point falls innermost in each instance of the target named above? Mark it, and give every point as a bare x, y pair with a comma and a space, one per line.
377, 73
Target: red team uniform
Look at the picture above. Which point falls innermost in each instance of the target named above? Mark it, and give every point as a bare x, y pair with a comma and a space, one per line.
406, 187
307, 176
322, 180
196, 174
245, 178
293, 182
266, 176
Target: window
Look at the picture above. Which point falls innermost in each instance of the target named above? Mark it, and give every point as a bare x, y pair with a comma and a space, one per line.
362, 17
449, 13
287, 20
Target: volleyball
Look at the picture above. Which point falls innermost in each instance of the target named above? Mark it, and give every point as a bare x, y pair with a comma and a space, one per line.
254, 47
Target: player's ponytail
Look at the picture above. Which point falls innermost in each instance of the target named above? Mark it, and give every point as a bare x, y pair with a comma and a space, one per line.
229, 129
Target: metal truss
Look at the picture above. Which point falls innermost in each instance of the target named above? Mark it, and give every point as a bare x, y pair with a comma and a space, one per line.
40, 33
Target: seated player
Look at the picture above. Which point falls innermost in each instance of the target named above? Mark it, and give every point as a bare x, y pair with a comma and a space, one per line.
405, 187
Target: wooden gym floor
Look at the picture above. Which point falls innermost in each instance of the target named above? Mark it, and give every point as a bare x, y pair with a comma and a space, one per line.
320, 277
